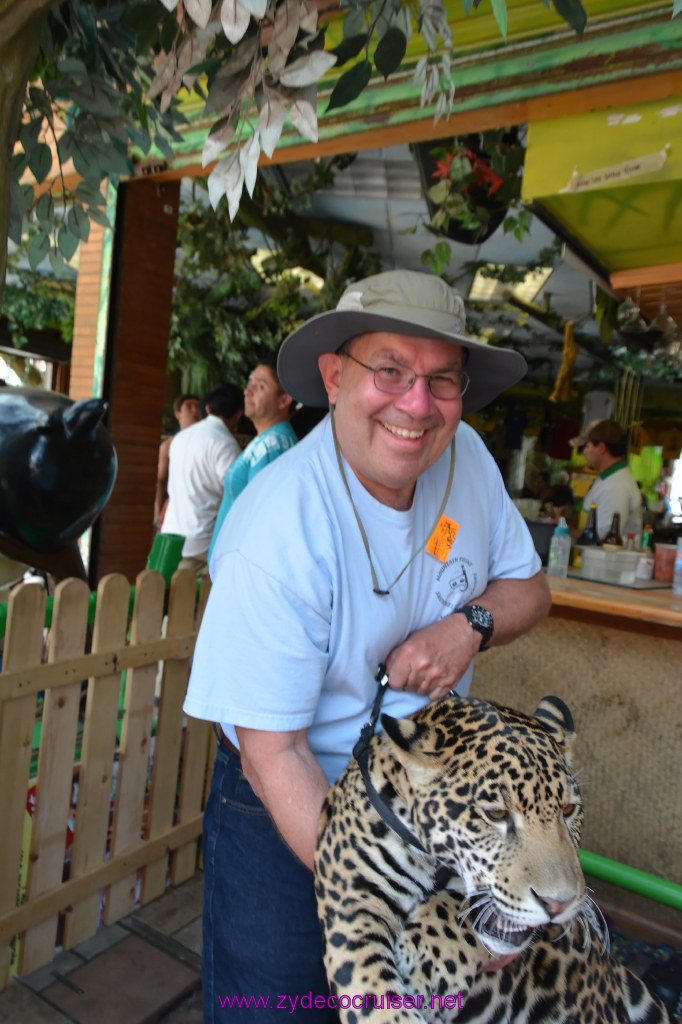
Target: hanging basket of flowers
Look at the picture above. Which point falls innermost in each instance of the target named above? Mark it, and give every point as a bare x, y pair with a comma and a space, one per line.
471, 182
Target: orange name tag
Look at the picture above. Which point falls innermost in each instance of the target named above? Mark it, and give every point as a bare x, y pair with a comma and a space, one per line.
442, 538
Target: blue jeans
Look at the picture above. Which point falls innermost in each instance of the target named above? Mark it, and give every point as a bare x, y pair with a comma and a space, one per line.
262, 945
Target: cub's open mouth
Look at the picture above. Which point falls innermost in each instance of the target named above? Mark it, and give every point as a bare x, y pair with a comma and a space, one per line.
504, 930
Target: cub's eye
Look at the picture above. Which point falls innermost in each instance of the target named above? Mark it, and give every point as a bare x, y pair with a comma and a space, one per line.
496, 813
569, 810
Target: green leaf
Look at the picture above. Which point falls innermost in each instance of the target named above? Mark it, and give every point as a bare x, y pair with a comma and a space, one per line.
573, 12
56, 261
67, 242
99, 217
65, 146
45, 211
390, 51
353, 22
38, 248
500, 12
40, 161
349, 48
89, 194
18, 164
467, 5
438, 193
78, 223
86, 162
350, 85
29, 132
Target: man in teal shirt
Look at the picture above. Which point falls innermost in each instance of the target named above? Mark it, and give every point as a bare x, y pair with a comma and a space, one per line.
268, 407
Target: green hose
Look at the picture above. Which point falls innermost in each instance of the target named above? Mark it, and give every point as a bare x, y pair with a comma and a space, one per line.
651, 886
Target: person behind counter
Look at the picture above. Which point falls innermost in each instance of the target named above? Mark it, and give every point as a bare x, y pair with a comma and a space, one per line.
604, 445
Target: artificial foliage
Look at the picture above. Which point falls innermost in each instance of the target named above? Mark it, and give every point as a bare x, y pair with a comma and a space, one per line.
89, 87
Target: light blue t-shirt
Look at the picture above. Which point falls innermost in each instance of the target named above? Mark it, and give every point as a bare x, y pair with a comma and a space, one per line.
257, 454
292, 632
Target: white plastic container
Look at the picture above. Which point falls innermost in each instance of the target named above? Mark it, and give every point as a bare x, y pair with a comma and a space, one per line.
610, 566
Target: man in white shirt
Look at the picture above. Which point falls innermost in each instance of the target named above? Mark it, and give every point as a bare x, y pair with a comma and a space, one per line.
604, 445
200, 456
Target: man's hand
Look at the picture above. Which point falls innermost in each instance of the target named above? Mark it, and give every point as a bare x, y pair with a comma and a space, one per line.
432, 660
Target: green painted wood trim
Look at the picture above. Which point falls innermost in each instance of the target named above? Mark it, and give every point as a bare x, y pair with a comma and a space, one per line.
511, 73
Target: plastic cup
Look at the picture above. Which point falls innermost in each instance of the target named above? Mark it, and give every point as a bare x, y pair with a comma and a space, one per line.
664, 563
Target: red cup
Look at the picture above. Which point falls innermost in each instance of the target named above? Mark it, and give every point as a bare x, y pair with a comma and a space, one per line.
664, 564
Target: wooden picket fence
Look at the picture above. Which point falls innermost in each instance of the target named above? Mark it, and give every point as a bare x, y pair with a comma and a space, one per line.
92, 731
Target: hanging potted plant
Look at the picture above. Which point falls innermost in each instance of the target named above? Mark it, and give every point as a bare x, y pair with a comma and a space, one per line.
472, 182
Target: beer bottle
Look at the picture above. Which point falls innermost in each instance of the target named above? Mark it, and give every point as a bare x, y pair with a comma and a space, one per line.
590, 535
613, 537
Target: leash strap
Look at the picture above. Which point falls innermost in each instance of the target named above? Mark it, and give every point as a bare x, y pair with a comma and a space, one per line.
361, 755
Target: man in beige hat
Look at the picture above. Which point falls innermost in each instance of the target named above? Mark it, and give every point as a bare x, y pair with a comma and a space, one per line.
604, 445
376, 539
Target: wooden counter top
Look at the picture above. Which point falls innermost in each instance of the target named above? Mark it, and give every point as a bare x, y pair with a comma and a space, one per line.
657, 606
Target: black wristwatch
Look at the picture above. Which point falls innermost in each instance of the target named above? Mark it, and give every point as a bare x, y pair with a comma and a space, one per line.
480, 619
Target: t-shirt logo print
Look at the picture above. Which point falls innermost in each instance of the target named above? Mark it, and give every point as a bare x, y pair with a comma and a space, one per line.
456, 581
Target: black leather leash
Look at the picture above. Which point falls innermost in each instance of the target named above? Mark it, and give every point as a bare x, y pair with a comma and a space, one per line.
361, 755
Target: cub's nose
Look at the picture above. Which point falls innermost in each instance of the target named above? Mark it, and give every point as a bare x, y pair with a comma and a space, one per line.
553, 906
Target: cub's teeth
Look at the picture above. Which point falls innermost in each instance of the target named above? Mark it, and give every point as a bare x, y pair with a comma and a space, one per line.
402, 432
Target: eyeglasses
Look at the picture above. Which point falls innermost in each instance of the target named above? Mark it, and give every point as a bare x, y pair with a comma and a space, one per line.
397, 380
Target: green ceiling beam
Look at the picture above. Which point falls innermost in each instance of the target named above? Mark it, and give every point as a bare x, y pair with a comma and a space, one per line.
636, 44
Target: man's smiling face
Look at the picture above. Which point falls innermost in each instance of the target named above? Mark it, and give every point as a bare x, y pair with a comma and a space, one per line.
390, 440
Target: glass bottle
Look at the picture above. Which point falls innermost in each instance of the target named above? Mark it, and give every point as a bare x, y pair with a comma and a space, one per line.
590, 535
645, 566
613, 537
630, 542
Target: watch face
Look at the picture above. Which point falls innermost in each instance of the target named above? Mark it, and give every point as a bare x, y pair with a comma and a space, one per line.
481, 620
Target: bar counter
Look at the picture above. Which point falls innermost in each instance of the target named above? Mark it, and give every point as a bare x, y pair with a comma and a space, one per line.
613, 655
654, 606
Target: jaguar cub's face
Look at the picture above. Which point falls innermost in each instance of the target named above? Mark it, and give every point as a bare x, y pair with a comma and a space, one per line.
491, 796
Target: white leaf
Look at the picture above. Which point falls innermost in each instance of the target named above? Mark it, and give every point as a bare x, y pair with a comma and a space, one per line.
166, 68
234, 194
248, 159
235, 19
419, 75
190, 53
243, 56
284, 32
270, 123
216, 143
256, 7
170, 91
224, 177
199, 11
304, 118
170, 5
308, 16
307, 69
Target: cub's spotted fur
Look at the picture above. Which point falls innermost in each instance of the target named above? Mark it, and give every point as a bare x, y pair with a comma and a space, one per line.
487, 794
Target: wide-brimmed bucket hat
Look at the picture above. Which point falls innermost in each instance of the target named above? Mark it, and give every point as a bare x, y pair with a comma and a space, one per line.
407, 302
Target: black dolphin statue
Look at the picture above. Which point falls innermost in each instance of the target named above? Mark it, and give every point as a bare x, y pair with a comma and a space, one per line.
57, 471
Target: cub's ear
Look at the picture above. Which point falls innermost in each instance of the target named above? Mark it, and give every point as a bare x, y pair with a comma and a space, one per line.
401, 731
556, 719
410, 743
